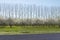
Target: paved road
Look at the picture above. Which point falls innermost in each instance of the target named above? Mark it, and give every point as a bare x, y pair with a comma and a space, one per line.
31, 37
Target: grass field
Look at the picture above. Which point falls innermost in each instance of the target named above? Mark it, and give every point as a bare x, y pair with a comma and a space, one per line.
29, 30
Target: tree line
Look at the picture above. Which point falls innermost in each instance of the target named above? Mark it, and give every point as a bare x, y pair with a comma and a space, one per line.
28, 22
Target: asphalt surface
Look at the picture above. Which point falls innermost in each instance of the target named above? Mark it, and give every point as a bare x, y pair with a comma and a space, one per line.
31, 37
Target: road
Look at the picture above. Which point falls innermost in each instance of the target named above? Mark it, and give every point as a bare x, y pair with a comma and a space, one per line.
55, 36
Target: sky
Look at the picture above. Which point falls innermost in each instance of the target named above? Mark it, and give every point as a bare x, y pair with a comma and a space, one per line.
31, 2
35, 2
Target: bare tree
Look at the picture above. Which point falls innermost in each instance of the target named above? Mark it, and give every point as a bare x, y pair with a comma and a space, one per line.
11, 22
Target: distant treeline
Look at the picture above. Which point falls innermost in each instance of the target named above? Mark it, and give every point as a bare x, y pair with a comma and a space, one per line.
30, 22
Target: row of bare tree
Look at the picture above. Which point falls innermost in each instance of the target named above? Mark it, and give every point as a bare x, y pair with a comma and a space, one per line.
28, 22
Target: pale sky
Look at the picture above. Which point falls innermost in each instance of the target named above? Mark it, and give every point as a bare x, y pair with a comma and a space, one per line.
37, 2
31, 2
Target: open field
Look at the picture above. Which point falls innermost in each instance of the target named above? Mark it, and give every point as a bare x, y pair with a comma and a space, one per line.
29, 30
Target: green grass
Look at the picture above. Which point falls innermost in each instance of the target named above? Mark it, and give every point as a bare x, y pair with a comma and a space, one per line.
29, 30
